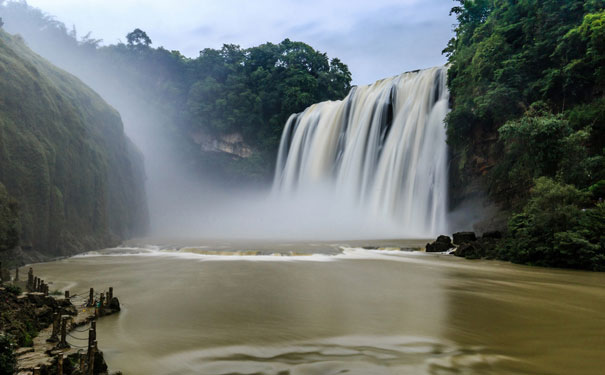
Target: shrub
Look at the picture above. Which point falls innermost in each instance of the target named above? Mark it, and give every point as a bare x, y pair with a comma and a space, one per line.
14, 289
558, 227
8, 361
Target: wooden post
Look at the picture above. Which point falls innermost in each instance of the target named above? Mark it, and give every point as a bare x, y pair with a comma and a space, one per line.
91, 297
36, 370
92, 336
54, 336
67, 294
46, 290
16, 273
63, 343
60, 364
30, 279
102, 300
91, 358
82, 363
110, 295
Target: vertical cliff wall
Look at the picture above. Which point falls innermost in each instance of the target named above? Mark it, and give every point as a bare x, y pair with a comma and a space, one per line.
78, 182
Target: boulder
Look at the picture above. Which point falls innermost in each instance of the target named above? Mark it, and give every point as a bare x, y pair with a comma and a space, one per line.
467, 250
464, 237
443, 243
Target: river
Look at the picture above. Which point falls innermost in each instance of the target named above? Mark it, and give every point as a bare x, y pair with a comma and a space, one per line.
320, 309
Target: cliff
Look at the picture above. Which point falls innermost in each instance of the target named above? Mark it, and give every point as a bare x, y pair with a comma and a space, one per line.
76, 181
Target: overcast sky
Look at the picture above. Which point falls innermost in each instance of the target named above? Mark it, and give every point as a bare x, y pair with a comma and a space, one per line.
375, 38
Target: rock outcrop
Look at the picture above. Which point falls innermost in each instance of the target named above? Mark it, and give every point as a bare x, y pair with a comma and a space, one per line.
443, 243
464, 237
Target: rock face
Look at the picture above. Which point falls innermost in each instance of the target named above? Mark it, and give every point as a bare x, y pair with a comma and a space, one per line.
443, 243
77, 181
464, 237
232, 143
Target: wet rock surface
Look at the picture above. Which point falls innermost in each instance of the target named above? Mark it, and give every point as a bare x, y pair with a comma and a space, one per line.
464, 237
441, 244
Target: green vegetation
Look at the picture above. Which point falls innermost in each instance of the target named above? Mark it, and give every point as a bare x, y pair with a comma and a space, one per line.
65, 166
527, 81
8, 361
250, 92
9, 220
560, 227
13, 289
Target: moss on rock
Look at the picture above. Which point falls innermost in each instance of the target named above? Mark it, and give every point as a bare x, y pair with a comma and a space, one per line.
64, 159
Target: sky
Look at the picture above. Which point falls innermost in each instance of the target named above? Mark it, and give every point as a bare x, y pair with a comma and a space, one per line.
375, 38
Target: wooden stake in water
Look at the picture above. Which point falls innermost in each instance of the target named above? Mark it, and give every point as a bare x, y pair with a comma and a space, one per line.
82, 362
54, 337
91, 297
30, 279
16, 273
92, 336
91, 359
63, 343
60, 364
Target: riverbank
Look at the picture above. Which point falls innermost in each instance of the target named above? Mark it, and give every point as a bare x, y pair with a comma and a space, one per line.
50, 333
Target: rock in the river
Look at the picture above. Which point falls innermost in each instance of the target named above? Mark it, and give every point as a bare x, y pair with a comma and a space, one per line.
468, 250
464, 237
443, 243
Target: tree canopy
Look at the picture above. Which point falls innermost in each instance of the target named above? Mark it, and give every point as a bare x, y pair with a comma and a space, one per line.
250, 91
528, 113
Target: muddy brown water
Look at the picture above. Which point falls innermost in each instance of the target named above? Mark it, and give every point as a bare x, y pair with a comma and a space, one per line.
203, 310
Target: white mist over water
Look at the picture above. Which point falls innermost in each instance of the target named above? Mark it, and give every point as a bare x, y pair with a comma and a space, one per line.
381, 152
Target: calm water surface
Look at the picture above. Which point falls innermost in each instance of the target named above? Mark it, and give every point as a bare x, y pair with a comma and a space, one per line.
207, 310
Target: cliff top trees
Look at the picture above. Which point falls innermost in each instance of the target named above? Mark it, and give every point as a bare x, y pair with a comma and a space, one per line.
138, 38
530, 74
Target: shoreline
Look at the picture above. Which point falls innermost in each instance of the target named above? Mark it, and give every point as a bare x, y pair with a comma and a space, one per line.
55, 342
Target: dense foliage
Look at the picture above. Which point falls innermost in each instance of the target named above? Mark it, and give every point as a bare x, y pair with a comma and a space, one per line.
9, 220
559, 226
250, 92
63, 158
528, 82
8, 360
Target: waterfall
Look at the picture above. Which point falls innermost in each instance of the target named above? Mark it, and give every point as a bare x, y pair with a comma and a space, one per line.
382, 150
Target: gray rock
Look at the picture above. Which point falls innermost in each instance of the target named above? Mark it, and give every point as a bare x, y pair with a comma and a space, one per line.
443, 243
464, 237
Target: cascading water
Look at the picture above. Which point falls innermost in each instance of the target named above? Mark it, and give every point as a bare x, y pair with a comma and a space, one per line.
382, 150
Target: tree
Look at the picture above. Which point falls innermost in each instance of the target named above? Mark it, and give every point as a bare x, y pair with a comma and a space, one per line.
138, 38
